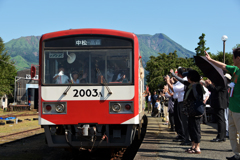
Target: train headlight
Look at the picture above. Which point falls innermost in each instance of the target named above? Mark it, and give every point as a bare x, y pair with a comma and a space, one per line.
116, 107
60, 108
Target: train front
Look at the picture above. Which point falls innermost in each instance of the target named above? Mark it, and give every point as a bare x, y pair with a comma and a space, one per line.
88, 89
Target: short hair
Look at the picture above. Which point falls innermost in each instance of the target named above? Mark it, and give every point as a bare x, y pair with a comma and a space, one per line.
236, 52
181, 70
158, 99
193, 76
75, 72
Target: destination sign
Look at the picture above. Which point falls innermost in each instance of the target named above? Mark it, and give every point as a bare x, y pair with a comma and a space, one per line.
88, 42
56, 55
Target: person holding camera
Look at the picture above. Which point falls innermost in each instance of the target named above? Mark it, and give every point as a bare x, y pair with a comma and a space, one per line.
180, 119
169, 95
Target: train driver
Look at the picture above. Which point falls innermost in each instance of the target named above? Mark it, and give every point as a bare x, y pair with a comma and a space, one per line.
60, 78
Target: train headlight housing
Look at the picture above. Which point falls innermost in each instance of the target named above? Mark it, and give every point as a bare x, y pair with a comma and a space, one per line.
116, 107
60, 108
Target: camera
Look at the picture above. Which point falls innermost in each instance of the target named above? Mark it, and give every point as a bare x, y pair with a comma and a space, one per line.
166, 76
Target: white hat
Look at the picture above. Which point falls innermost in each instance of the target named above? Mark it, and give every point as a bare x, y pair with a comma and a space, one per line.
228, 76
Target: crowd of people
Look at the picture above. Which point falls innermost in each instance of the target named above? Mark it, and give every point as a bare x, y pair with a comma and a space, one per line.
183, 88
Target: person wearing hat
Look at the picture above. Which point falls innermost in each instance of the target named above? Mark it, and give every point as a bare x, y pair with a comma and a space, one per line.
74, 78
234, 100
60, 78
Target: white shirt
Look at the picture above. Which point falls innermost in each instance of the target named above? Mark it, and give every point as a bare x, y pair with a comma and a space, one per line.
167, 95
207, 93
179, 88
157, 105
175, 94
63, 79
149, 98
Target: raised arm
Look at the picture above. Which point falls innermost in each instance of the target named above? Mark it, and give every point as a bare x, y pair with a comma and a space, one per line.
216, 63
167, 79
178, 78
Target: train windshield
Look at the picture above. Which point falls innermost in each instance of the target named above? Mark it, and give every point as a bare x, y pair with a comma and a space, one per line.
80, 67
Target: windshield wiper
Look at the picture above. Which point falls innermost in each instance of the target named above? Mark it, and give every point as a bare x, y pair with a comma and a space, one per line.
65, 92
104, 80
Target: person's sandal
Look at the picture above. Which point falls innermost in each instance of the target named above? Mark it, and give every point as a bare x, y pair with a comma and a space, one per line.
189, 149
197, 152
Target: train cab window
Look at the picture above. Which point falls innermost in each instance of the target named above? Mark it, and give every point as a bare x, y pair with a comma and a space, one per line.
74, 67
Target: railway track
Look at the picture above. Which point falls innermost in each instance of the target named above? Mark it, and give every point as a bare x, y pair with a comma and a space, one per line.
13, 134
35, 144
19, 115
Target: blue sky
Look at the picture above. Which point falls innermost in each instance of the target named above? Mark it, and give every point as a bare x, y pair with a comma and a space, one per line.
181, 20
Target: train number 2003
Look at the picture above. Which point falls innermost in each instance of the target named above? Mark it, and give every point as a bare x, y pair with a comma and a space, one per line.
88, 93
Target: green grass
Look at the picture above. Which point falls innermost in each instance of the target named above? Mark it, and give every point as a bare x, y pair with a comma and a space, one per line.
5, 113
19, 127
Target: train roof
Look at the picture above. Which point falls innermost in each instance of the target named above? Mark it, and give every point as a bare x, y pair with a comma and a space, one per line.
89, 31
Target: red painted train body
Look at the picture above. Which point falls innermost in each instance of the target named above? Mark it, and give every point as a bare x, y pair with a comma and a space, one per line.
90, 88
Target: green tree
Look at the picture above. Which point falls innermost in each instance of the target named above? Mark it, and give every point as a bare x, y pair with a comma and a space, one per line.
201, 46
237, 46
219, 57
8, 71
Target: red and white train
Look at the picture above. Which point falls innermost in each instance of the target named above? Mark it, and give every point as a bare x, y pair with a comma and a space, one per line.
90, 88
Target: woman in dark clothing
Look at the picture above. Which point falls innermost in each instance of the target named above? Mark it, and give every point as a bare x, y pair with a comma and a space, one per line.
193, 122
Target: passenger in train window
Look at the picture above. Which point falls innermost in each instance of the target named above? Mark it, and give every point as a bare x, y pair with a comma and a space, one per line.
83, 81
60, 78
124, 79
74, 78
110, 72
83, 68
116, 72
84, 76
119, 77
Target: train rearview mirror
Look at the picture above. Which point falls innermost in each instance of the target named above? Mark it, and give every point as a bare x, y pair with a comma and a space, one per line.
33, 72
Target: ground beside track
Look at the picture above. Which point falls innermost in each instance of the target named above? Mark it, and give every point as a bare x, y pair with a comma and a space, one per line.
158, 144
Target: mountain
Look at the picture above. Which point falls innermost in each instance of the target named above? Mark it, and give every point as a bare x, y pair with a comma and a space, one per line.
151, 45
24, 50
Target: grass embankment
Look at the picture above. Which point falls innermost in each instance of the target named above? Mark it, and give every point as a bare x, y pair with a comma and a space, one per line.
20, 126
